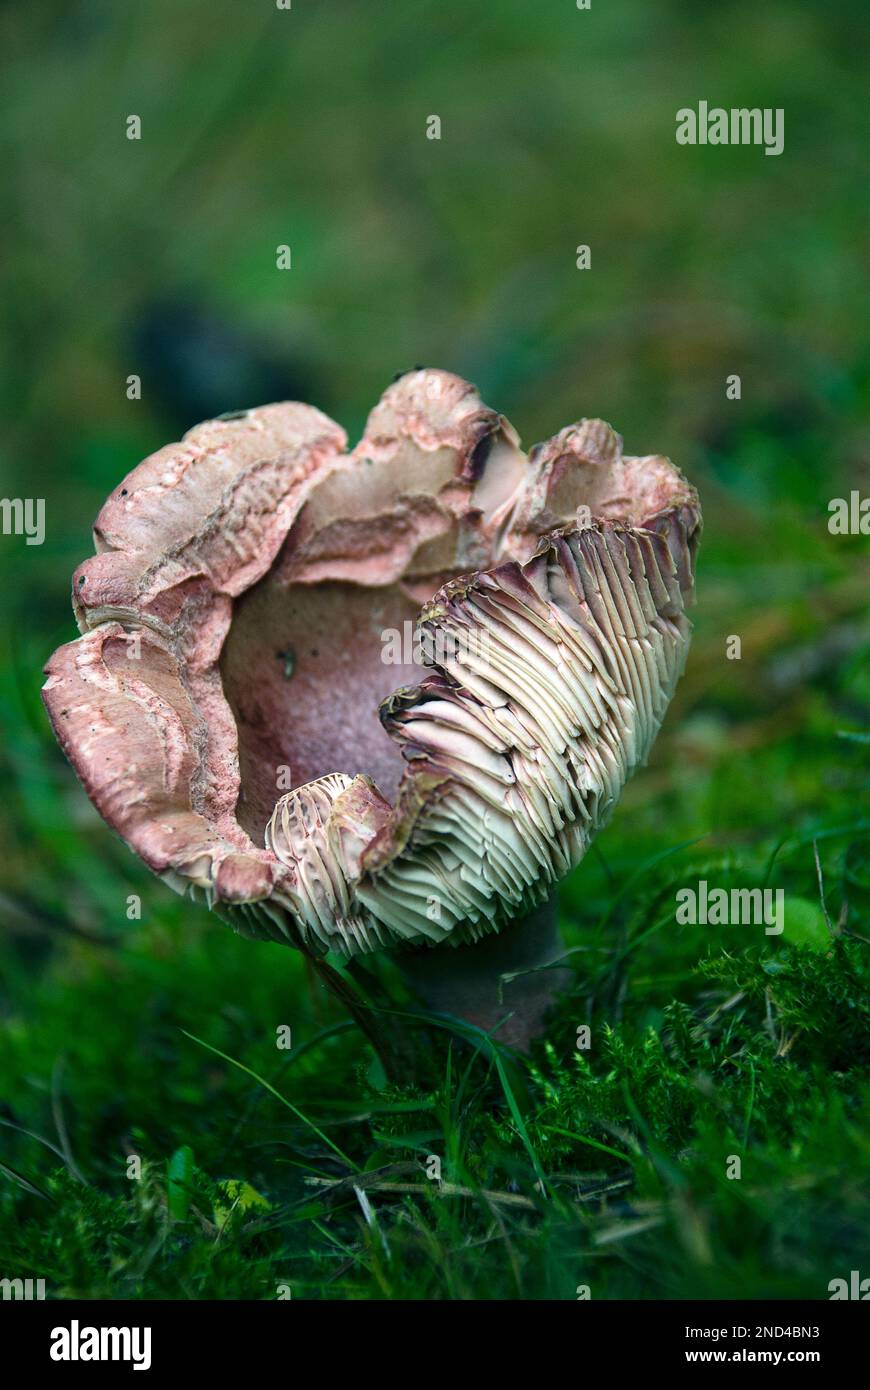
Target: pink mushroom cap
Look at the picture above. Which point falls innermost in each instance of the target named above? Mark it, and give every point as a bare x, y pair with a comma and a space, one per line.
381, 697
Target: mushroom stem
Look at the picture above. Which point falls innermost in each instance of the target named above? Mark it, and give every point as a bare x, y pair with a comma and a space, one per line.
499, 980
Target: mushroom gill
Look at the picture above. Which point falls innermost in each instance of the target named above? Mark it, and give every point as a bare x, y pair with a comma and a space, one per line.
549, 673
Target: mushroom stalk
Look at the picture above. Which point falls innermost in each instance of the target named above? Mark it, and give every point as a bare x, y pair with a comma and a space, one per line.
504, 983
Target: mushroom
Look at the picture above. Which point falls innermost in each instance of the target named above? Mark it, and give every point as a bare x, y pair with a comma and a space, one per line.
380, 699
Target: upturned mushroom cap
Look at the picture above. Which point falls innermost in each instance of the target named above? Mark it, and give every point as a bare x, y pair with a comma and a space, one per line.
242, 705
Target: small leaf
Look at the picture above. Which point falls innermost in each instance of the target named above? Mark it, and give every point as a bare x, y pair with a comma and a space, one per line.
237, 1197
804, 924
179, 1182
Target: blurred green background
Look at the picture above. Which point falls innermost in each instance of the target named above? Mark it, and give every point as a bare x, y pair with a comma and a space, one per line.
157, 258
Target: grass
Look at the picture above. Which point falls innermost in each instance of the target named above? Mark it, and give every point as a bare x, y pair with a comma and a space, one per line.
153, 1037
609, 1167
